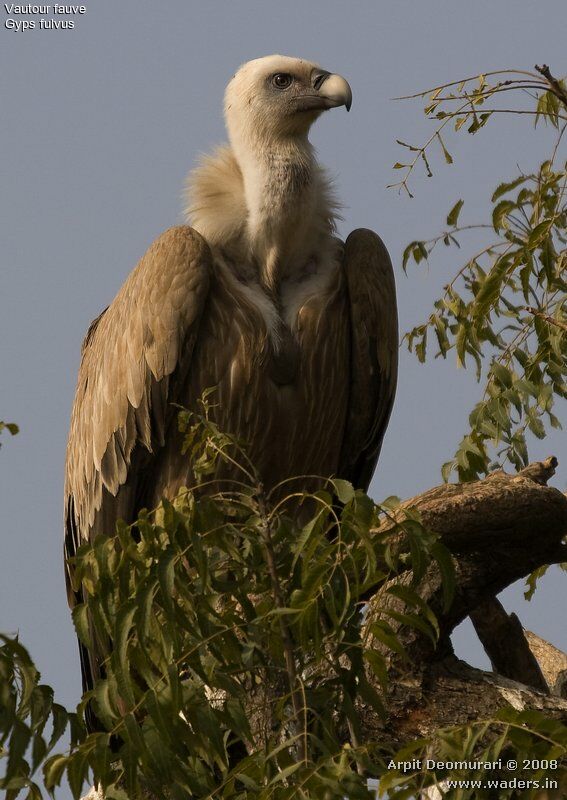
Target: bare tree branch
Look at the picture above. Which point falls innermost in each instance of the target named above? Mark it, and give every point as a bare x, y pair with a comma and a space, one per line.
503, 639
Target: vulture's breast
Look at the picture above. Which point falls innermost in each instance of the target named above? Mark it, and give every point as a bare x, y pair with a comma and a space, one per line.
287, 403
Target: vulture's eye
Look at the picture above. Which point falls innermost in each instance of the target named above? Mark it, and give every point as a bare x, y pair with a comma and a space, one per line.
281, 80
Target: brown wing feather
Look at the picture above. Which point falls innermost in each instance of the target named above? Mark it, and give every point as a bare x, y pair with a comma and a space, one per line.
374, 353
134, 355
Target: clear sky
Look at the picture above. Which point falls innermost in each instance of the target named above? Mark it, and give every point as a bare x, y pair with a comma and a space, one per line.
100, 125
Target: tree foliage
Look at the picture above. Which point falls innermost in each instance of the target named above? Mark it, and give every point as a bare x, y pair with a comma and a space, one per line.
227, 602
505, 308
239, 651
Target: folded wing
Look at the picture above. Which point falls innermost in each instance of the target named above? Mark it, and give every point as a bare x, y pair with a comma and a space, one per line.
374, 353
134, 356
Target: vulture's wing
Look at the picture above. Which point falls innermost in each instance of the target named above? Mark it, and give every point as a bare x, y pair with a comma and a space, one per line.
374, 353
133, 356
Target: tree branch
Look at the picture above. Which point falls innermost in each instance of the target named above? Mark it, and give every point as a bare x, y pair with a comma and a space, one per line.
503, 639
547, 318
553, 663
498, 530
449, 693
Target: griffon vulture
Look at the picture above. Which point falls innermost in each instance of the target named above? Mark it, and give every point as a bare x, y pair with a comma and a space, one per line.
258, 298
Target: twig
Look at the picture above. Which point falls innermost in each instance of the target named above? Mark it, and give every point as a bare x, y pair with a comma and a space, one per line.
488, 91
519, 111
546, 317
555, 85
466, 80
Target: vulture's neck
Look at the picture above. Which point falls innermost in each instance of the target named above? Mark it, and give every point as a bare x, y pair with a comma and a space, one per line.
280, 195
267, 206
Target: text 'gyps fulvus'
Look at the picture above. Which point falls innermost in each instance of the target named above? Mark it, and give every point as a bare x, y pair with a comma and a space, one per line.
258, 298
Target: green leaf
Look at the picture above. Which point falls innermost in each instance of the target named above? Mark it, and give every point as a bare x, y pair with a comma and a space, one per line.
60, 720
500, 214
406, 255
490, 289
504, 188
532, 580
536, 426
539, 233
384, 633
344, 490
448, 157
453, 215
447, 568
502, 374
53, 770
77, 773
166, 575
80, 616
124, 623
378, 665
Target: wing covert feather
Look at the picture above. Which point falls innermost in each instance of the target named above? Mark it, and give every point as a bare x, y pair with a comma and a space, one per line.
374, 353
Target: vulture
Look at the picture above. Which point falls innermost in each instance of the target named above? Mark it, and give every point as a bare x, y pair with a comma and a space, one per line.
257, 297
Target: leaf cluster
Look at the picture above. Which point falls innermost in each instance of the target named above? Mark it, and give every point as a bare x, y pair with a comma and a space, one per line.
31, 723
234, 642
505, 308
469, 104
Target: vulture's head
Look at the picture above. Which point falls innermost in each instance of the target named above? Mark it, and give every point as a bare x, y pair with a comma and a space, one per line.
265, 198
277, 97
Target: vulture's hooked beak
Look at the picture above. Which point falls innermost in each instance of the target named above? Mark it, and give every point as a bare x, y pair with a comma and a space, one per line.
327, 90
